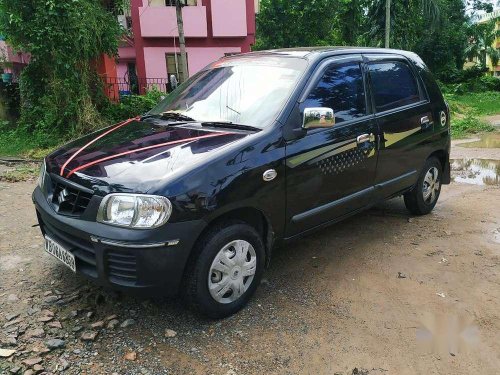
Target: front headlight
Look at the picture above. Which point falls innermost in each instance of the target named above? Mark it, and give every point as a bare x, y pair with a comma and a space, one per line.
134, 210
41, 176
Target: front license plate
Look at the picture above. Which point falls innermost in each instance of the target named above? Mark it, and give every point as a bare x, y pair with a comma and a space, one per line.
59, 252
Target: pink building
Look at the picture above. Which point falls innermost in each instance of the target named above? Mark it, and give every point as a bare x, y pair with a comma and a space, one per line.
213, 29
15, 60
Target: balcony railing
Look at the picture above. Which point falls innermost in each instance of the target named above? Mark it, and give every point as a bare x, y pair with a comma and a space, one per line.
116, 88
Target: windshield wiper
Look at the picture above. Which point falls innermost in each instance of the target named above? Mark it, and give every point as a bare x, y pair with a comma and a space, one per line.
229, 124
183, 119
168, 116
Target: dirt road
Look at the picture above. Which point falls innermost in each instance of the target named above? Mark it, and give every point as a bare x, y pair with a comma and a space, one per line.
381, 293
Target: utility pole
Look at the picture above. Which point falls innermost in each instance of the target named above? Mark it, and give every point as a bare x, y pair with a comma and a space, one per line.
387, 22
182, 40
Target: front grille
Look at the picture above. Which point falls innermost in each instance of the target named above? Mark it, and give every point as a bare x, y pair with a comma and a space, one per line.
68, 198
122, 266
82, 250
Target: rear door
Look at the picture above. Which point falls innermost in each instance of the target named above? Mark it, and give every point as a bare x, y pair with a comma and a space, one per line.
330, 171
405, 121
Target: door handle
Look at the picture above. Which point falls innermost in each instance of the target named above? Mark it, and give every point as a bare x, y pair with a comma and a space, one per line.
425, 122
363, 138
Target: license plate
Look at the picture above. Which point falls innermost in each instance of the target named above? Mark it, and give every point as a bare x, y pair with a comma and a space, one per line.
59, 252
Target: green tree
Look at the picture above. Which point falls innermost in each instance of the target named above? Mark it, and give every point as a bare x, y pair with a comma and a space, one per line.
409, 18
481, 38
348, 22
435, 29
294, 23
443, 48
60, 89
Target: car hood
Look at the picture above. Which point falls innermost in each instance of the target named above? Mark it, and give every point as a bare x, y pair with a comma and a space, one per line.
137, 152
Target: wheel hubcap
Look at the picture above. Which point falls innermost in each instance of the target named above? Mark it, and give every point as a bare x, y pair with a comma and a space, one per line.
431, 185
232, 271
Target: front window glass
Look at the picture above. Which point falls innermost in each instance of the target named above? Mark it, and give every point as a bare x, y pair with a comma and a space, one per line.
246, 91
341, 89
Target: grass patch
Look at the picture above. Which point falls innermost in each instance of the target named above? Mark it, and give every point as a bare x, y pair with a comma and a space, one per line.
21, 144
479, 103
23, 172
467, 110
468, 125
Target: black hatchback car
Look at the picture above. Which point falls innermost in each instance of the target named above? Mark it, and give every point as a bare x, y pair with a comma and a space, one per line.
251, 152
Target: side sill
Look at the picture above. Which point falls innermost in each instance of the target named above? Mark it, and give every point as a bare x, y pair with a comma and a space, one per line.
332, 205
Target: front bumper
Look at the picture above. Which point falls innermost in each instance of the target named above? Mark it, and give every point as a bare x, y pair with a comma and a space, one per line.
149, 261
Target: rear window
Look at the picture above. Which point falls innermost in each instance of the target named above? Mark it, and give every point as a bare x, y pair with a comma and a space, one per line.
393, 85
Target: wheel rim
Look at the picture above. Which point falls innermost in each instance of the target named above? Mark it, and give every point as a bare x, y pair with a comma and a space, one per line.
431, 185
232, 271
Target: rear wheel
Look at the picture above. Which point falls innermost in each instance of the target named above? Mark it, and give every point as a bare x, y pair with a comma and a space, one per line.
424, 196
226, 271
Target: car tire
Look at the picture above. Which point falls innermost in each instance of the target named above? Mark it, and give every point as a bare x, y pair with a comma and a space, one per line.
425, 194
219, 260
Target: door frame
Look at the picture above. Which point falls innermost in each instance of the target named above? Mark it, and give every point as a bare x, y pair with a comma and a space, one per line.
365, 192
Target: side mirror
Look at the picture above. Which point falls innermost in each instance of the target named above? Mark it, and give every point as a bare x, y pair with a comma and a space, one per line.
321, 117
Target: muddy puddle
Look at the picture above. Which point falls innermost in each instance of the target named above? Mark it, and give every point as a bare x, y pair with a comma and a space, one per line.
489, 140
476, 171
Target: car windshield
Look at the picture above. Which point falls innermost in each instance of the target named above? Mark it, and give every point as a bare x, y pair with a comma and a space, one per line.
247, 91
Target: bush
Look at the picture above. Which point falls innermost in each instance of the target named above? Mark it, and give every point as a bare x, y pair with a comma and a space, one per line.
464, 81
61, 92
462, 75
36, 143
9, 101
490, 83
477, 85
132, 105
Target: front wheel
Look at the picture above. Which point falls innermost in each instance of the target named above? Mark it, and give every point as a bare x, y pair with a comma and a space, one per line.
424, 196
227, 268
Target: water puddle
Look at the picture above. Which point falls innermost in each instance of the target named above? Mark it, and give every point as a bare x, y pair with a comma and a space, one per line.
489, 140
476, 171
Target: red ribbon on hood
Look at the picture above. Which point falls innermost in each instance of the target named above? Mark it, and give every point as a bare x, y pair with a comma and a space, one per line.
186, 140
95, 140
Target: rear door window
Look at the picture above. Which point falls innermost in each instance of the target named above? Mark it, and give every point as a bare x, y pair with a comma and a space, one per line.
341, 88
393, 85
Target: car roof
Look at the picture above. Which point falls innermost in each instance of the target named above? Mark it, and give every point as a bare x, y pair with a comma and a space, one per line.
314, 53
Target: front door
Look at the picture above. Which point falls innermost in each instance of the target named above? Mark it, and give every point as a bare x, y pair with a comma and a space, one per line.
331, 171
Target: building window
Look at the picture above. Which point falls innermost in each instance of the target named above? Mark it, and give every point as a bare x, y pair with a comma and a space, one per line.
174, 66
171, 3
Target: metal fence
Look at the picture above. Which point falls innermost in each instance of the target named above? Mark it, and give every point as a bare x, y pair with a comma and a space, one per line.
117, 88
